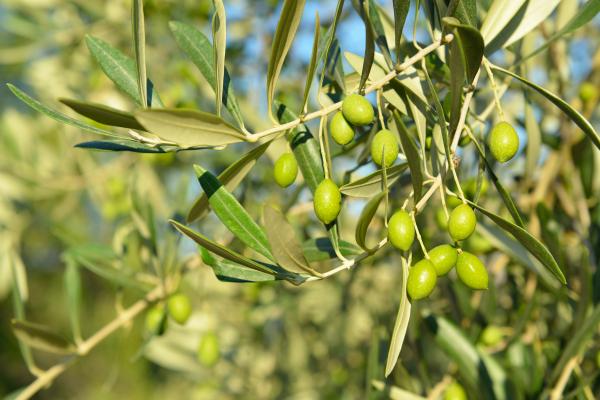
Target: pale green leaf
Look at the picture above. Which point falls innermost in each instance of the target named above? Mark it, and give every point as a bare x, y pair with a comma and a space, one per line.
73, 290
498, 16
401, 324
312, 67
365, 218
367, 185
412, 156
321, 249
139, 44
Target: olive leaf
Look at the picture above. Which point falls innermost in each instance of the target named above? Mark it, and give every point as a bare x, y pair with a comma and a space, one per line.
575, 116
228, 271
197, 46
219, 29
401, 8
121, 70
41, 337
312, 66
122, 145
367, 185
189, 128
230, 178
379, 32
463, 10
498, 16
287, 26
369, 54
72, 281
533, 245
321, 249
401, 324
412, 156
232, 214
103, 114
394, 392
365, 218
139, 44
56, 115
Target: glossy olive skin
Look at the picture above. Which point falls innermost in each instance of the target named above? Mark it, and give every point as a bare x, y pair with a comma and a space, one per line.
401, 230
471, 271
443, 258
156, 322
455, 391
503, 141
208, 349
387, 155
285, 170
180, 308
421, 280
357, 110
461, 223
341, 131
327, 201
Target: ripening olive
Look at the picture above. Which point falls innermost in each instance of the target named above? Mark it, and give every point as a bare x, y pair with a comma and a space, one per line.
208, 349
156, 321
379, 154
461, 223
327, 201
285, 170
471, 271
455, 391
180, 308
401, 231
443, 258
341, 131
503, 141
357, 110
491, 335
421, 280
588, 92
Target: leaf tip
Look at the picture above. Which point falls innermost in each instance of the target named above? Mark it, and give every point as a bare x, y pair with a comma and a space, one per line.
199, 170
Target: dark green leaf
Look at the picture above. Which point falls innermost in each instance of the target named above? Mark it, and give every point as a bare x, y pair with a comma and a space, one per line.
219, 29
139, 44
41, 337
321, 249
575, 116
369, 54
379, 32
120, 145
365, 218
366, 186
464, 10
330, 52
470, 45
103, 114
312, 67
228, 271
412, 156
401, 8
231, 177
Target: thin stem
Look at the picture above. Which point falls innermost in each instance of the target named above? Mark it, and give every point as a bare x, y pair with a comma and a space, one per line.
380, 109
490, 74
418, 233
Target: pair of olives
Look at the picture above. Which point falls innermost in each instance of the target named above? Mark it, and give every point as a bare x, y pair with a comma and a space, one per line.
178, 307
356, 111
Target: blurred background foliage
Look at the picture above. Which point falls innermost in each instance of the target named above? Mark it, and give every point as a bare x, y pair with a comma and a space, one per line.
326, 339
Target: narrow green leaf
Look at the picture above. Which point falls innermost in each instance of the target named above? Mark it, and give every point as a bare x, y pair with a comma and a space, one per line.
394, 392
312, 67
367, 185
401, 324
379, 32
56, 115
103, 114
219, 29
120, 145
330, 56
189, 128
365, 218
232, 214
533, 245
287, 26
470, 44
575, 116
73, 291
230, 178
369, 54
321, 249
463, 10
412, 156
139, 44
197, 46
284, 244
41, 337
19, 295
401, 8
228, 271
498, 16
121, 70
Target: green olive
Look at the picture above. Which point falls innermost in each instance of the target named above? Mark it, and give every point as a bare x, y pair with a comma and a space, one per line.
491, 335
453, 201
327, 201
180, 308
588, 92
455, 391
441, 219
461, 223
401, 231
208, 349
384, 138
470, 187
421, 280
341, 131
156, 321
357, 110
471, 271
503, 141
285, 170
465, 139
443, 258
477, 244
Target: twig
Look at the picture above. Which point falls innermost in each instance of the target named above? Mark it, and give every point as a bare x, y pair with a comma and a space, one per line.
563, 379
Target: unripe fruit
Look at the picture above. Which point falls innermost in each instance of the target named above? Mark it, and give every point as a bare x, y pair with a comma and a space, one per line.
401, 231
477, 244
208, 349
341, 131
384, 138
327, 201
357, 110
441, 219
462, 222
491, 335
180, 308
588, 92
465, 139
471, 271
453, 201
455, 391
156, 321
470, 187
421, 280
503, 141
285, 170
443, 258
